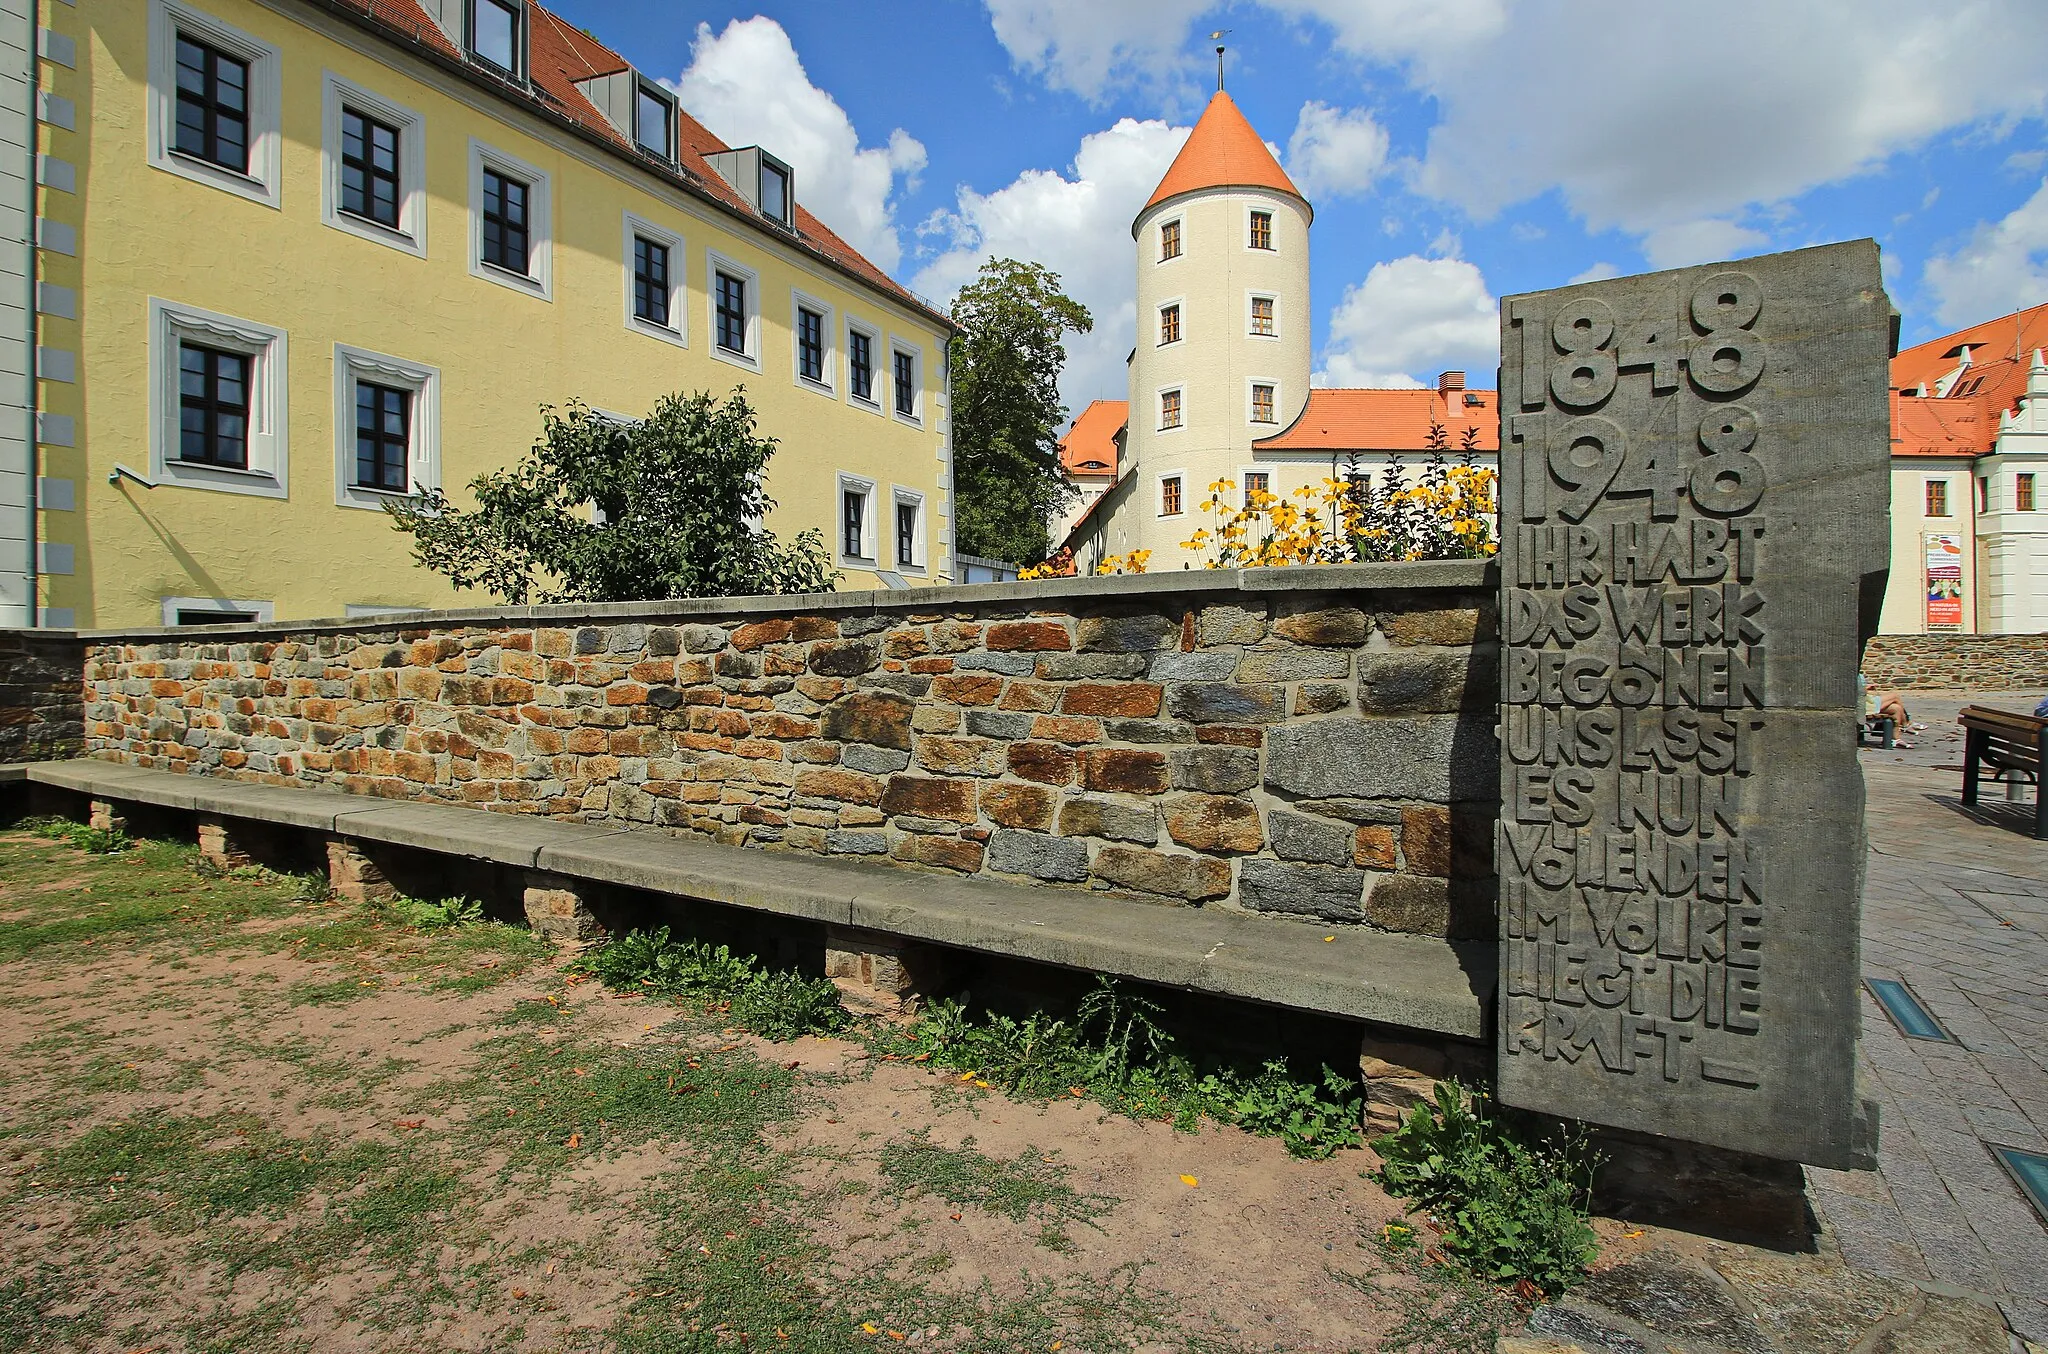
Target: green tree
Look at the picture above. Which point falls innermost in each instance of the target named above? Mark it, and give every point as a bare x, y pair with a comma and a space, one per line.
1007, 413
674, 495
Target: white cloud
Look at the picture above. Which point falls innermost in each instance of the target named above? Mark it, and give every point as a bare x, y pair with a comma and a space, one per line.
1672, 121
1688, 242
2003, 267
1335, 152
748, 87
1599, 272
1411, 315
1079, 225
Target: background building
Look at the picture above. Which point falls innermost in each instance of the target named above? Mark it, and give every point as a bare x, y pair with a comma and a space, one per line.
18, 105
1969, 463
298, 257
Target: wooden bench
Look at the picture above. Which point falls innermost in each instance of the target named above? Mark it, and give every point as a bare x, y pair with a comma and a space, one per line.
2008, 742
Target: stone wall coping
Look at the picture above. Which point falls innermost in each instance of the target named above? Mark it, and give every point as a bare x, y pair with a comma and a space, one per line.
1412, 981
1461, 574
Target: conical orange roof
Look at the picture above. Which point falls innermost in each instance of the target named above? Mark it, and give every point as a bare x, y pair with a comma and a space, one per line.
1222, 152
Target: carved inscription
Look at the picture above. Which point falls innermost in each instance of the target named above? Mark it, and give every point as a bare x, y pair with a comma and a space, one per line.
1637, 644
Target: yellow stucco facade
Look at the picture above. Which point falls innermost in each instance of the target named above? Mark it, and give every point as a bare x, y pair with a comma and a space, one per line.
134, 249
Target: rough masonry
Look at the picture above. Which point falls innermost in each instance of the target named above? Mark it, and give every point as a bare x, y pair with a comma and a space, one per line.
1695, 521
1320, 747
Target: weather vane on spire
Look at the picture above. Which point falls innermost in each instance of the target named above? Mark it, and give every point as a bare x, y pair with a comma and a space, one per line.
1217, 38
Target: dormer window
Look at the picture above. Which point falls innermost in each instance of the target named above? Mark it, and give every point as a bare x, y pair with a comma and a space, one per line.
494, 36
774, 191
654, 121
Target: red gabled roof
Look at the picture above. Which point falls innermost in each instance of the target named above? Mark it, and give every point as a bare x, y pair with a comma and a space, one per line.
561, 54
1387, 420
1964, 420
1222, 152
1089, 448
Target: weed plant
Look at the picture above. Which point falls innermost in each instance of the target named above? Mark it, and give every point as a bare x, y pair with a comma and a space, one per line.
435, 914
1511, 1201
777, 1006
1115, 1052
98, 841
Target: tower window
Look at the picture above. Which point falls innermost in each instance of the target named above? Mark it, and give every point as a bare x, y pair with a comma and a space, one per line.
1262, 230
1169, 324
1169, 240
2023, 493
1262, 316
1937, 498
1169, 496
1262, 404
1169, 409
1256, 482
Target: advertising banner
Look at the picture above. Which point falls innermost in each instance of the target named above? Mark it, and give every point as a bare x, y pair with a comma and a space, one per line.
1944, 581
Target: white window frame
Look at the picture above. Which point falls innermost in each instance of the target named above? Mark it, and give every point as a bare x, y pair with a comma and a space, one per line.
522, 38
264, 612
900, 497
1253, 209
1159, 321
411, 235
540, 222
264, 182
714, 264
1244, 494
1250, 298
866, 488
423, 439
1251, 407
1164, 222
878, 373
1160, 425
899, 344
677, 330
643, 85
1947, 497
828, 333
268, 474
1159, 494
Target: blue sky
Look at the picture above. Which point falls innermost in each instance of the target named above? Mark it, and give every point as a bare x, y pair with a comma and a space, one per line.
1455, 150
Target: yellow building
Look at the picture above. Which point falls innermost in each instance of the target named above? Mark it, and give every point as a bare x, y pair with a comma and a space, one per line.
300, 255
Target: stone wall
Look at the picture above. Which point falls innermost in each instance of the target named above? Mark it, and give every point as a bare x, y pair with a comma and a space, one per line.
1957, 662
41, 697
1312, 742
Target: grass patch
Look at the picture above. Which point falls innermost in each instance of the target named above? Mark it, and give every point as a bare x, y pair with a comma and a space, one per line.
775, 1005
1509, 1198
1447, 1310
1030, 1184
1115, 1052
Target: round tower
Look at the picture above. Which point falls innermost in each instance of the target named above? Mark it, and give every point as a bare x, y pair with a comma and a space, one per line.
1222, 356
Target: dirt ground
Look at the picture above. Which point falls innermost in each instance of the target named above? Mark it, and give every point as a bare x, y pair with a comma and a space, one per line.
240, 1117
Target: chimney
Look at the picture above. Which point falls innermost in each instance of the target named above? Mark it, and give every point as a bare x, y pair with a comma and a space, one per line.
1449, 381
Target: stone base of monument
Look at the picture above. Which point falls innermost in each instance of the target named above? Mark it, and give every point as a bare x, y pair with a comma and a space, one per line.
1711, 1191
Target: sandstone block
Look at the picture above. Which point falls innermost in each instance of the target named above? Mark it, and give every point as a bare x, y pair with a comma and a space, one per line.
1341, 626
1458, 626
1373, 845
1139, 700
930, 797
850, 843
1426, 839
1068, 667
1125, 634
1045, 762
1066, 729
1317, 698
1009, 664
1231, 625
1108, 818
848, 787
965, 689
1224, 703
960, 756
1027, 637
844, 657
1412, 903
1435, 757
556, 910
878, 717
998, 724
1426, 680
1293, 665
949, 853
1218, 823
1010, 804
803, 629
703, 638
758, 633
1203, 665
873, 760
1034, 697
1123, 769
1192, 878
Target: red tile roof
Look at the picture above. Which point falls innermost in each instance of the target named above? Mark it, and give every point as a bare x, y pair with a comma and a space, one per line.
1089, 448
560, 55
1222, 152
1386, 420
1931, 426
1964, 421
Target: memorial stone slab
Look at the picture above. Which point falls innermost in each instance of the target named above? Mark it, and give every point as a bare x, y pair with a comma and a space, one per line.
1695, 499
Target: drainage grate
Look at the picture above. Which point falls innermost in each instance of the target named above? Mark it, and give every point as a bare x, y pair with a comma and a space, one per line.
2029, 1170
1914, 1020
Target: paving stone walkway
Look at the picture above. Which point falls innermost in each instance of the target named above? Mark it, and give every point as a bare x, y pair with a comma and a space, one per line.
1956, 906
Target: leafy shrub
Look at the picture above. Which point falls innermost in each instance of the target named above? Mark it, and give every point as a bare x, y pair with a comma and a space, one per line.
1115, 1051
776, 1006
1512, 1205
435, 914
99, 841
